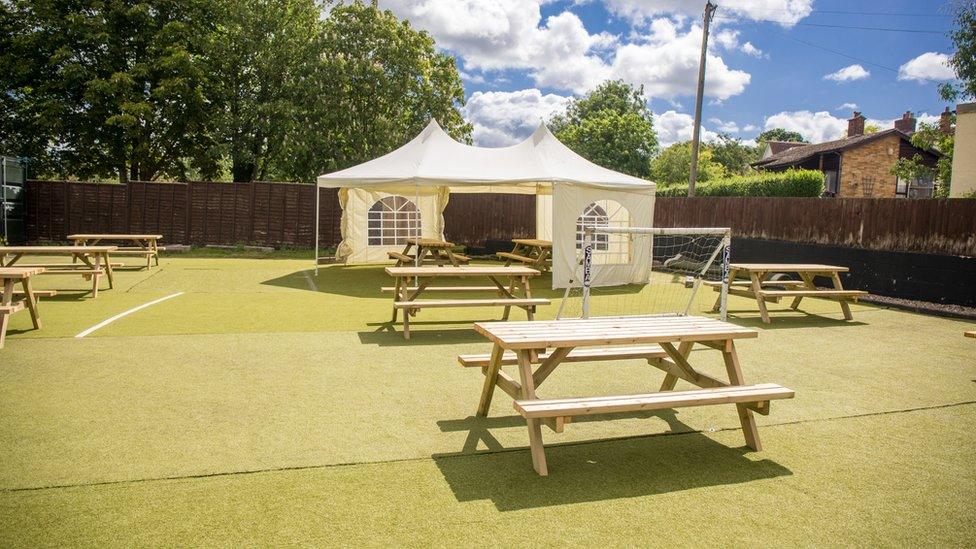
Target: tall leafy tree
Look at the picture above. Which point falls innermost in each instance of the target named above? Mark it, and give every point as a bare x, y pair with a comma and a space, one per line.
780, 134
107, 88
734, 155
375, 84
610, 126
262, 55
929, 136
673, 165
963, 61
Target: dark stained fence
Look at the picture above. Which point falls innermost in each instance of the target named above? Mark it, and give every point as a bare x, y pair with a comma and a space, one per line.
471, 219
267, 214
940, 226
282, 214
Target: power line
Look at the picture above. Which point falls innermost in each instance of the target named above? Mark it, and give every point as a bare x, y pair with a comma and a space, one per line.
842, 54
855, 27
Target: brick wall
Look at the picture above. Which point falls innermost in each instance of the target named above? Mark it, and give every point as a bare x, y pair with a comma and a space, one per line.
864, 171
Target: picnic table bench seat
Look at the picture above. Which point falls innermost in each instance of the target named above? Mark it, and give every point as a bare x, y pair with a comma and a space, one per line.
582, 354
759, 394
38, 293
516, 257
387, 289
439, 303
13, 307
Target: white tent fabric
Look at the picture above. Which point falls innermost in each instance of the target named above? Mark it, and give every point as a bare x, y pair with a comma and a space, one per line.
432, 165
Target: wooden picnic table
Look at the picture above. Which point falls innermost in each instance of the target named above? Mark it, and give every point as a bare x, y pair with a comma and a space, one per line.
94, 261
971, 334
665, 342
10, 276
758, 286
429, 250
532, 252
405, 296
146, 245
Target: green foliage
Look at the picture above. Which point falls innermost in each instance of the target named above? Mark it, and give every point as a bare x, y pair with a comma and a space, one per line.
779, 134
787, 183
673, 165
733, 154
931, 137
377, 83
610, 126
199, 88
963, 61
102, 89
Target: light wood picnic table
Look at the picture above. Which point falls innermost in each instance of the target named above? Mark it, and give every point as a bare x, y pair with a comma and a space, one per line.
532, 252
758, 286
10, 276
971, 334
94, 261
405, 296
429, 250
665, 342
146, 245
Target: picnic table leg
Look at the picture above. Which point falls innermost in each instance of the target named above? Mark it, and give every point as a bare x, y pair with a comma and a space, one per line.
108, 270
534, 425
844, 306
5, 299
746, 418
491, 377
396, 297
807, 284
530, 310
31, 300
757, 290
684, 349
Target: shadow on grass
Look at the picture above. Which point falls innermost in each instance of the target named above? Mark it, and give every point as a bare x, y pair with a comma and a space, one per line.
389, 335
594, 471
792, 319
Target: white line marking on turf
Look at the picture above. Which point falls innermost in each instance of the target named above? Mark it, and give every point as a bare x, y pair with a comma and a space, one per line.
311, 282
106, 322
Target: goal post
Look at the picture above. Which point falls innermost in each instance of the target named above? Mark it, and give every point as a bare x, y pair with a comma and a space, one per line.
681, 260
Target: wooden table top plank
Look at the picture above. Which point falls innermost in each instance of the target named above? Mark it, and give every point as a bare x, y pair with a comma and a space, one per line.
59, 250
451, 271
971, 333
19, 273
430, 243
115, 236
789, 267
533, 242
609, 331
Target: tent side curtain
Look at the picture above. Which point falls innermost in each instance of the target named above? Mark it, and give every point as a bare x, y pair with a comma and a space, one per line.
375, 223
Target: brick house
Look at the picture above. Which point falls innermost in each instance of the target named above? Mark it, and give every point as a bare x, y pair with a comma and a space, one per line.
857, 166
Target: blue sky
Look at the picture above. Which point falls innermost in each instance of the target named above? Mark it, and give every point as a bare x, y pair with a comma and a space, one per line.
522, 59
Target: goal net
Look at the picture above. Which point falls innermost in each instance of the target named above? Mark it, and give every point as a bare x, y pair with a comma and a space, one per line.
679, 271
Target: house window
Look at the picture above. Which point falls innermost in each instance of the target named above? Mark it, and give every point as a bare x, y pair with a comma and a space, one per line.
901, 187
830, 183
391, 220
608, 249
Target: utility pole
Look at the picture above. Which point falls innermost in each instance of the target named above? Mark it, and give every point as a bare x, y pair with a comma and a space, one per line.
696, 133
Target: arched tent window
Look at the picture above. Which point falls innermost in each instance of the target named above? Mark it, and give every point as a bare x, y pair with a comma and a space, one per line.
391, 220
608, 249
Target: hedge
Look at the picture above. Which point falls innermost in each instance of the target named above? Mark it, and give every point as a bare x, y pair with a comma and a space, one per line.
788, 183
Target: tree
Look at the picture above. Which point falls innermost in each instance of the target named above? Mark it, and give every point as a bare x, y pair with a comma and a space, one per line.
610, 126
964, 60
780, 134
376, 83
734, 155
261, 55
107, 88
929, 136
673, 165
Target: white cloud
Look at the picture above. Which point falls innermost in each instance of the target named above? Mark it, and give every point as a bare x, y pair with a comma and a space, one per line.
670, 67
813, 126
847, 107
505, 118
561, 53
848, 73
785, 12
729, 40
724, 126
928, 66
750, 128
673, 127
751, 50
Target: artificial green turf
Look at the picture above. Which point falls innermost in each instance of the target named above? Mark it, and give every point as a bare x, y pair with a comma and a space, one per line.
251, 370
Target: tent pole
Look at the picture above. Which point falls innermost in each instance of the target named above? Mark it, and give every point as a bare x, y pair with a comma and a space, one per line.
416, 255
316, 228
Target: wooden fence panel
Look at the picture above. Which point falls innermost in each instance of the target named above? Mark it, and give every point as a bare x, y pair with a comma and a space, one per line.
276, 214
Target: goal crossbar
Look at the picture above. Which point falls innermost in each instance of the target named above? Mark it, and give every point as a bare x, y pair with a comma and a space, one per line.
661, 231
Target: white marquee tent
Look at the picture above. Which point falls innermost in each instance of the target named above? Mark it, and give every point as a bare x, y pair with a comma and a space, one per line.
404, 193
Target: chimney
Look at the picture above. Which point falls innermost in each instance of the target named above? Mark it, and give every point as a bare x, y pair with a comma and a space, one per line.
945, 121
906, 123
855, 126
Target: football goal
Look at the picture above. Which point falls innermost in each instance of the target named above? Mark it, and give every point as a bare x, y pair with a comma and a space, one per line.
673, 271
